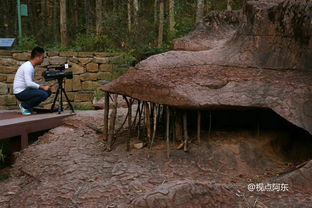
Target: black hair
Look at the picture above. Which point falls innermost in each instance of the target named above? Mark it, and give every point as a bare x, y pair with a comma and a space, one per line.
37, 51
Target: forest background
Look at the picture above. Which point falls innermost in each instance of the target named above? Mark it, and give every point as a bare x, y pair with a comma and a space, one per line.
138, 27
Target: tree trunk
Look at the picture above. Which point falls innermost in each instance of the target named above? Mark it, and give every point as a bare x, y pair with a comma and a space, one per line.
63, 23
56, 21
99, 16
88, 20
229, 7
161, 23
75, 17
5, 18
200, 10
136, 11
155, 12
129, 16
171, 18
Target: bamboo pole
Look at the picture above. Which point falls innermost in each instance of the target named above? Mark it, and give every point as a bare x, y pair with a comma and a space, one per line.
112, 124
106, 111
167, 130
198, 125
186, 137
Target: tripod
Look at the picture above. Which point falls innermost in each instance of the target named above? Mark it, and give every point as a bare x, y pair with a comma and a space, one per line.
58, 94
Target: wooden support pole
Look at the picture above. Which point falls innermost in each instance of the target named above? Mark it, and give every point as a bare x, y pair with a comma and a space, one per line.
140, 118
198, 125
106, 111
129, 103
24, 140
178, 126
112, 124
209, 131
148, 122
136, 115
168, 130
186, 137
155, 124
173, 126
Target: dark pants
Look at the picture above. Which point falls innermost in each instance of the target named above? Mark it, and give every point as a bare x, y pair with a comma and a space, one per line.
31, 97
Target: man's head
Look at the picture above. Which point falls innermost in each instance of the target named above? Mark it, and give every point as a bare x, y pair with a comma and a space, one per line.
37, 56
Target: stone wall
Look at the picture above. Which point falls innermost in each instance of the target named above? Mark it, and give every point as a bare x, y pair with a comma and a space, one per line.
90, 70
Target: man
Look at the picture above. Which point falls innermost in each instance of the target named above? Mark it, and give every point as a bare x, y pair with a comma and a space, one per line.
25, 89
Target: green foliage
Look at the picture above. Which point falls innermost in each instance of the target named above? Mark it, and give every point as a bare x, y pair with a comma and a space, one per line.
85, 42
98, 94
83, 107
26, 43
144, 51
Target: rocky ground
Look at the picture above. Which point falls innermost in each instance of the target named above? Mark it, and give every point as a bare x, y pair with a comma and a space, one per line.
69, 167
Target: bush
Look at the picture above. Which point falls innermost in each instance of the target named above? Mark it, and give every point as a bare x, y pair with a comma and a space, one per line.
26, 43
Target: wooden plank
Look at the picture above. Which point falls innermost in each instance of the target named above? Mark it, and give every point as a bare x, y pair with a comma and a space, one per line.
29, 124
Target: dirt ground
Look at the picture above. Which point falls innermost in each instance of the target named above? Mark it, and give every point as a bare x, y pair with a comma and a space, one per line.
69, 167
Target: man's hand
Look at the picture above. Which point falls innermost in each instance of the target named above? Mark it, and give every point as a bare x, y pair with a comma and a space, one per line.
44, 87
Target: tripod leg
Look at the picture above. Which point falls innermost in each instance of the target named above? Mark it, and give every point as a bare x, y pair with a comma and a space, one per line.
69, 103
60, 101
54, 100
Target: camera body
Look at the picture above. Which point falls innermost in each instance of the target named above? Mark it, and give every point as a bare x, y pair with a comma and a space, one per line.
60, 74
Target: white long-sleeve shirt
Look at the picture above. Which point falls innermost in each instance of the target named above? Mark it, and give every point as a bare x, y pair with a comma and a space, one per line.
24, 78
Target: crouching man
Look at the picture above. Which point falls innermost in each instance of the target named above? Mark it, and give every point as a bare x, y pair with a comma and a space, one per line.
28, 92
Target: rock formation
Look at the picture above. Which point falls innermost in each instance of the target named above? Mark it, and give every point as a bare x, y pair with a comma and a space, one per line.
260, 57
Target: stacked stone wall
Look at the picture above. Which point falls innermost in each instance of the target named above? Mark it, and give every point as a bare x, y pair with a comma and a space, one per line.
90, 71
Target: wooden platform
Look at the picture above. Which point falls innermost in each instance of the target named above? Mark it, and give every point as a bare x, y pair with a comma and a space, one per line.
13, 124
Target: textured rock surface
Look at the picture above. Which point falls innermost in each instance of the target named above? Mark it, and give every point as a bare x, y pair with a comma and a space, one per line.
265, 62
68, 167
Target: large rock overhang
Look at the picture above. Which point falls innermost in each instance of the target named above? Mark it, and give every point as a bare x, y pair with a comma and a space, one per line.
212, 86
258, 65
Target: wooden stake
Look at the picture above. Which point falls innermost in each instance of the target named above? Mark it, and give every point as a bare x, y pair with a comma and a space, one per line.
155, 124
136, 115
112, 124
129, 122
178, 126
140, 117
148, 122
198, 125
106, 111
167, 130
173, 126
186, 137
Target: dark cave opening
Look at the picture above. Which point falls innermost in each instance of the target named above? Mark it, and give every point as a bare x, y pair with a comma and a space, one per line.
292, 142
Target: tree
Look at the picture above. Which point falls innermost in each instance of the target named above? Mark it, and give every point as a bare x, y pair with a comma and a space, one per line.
161, 23
229, 7
99, 16
63, 23
155, 12
200, 10
129, 16
171, 18
136, 11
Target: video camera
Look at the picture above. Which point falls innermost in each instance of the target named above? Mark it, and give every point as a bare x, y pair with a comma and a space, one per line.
60, 74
